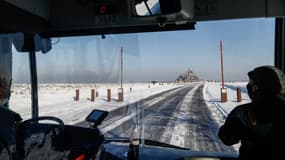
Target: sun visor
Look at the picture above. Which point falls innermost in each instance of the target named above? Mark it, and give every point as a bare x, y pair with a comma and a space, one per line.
35, 43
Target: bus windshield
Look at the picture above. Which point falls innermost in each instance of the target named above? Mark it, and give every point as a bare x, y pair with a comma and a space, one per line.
168, 84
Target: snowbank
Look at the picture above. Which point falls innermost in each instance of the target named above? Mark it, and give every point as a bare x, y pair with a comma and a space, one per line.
213, 96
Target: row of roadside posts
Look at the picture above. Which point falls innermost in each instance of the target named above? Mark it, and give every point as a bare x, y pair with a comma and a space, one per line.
224, 95
96, 94
109, 94
93, 95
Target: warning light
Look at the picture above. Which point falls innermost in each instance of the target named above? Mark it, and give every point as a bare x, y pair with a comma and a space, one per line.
80, 157
106, 9
103, 9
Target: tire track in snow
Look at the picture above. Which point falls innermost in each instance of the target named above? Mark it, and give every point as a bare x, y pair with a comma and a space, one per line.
194, 126
155, 116
178, 133
180, 117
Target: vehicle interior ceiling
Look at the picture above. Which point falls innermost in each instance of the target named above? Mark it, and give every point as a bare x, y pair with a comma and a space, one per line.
64, 18
52, 18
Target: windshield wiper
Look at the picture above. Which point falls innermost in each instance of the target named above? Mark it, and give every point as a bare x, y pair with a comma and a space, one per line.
146, 141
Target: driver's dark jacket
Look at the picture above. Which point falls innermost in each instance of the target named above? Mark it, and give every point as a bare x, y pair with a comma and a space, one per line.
259, 126
8, 120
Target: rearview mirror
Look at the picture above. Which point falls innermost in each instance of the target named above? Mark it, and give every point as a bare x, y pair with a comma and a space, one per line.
96, 117
178, 8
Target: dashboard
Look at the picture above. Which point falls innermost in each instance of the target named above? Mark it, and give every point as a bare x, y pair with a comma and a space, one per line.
119, 152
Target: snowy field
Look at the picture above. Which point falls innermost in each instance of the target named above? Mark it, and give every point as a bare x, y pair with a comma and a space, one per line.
58, 99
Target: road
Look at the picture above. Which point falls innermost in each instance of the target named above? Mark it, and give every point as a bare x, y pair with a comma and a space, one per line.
179, 117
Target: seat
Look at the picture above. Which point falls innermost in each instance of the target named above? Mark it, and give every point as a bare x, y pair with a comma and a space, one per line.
37, 141
4, 151
49, 142
8, 121
81, 142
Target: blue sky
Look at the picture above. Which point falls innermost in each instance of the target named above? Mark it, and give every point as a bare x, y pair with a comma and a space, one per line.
246, 44
157, 56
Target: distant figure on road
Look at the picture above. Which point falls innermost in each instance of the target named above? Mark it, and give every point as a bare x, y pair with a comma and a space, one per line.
259, 125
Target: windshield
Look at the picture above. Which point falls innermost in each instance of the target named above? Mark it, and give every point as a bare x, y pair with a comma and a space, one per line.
166, 83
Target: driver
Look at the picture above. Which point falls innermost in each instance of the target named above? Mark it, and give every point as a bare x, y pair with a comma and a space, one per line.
8, 119
259, 125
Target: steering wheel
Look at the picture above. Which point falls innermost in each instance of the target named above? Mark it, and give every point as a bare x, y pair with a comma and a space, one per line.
43, 118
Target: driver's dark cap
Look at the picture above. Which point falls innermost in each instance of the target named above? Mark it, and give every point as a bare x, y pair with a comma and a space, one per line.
269, 79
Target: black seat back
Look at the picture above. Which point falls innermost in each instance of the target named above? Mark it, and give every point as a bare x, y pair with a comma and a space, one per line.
49, 142
8, 121
36, 141
4, 151
81, 142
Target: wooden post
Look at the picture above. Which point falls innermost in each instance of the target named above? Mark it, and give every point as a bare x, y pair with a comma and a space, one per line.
92, 95
121, 67
222, 63
223, 95
97, 94
77, 95
5, 70
121, 90
223, 89
109, 95
120, 94
238, 94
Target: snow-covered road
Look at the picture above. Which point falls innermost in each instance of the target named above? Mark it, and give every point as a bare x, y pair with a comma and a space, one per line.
179, 117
